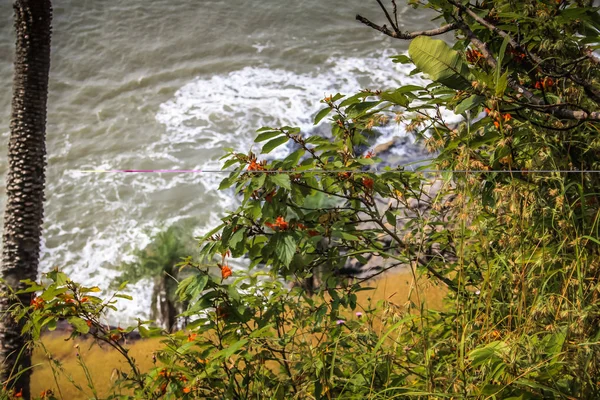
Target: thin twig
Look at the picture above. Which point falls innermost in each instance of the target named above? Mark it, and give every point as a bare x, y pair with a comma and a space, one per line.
387, 15
406, 35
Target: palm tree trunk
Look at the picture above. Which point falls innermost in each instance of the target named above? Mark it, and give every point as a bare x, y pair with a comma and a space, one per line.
26, 178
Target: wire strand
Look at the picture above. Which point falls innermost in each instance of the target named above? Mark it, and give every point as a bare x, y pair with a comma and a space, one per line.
399, 169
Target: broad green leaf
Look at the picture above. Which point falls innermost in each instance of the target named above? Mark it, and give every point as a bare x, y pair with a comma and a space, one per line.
270, 145
395, 97
285, 249
236, 238
267, 135
192, 286
230, 180
79, 324
359, 109
282, 180
469, 104
440, 62
322, 114
60, 278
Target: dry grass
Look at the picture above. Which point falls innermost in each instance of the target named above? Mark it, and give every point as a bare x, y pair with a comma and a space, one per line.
103, 362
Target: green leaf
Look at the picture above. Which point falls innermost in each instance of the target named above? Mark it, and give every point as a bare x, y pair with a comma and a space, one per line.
395, 97
294, 158
267, 135
229, 351
501, 57
490, 352
285, 249
391, 218
192, 286
402, 59
270, 145
79, 324
359, 109
60, 278
440, 62
230, 180
344, 235
501, 84
282, 180
469, 104
237, 237
322, 114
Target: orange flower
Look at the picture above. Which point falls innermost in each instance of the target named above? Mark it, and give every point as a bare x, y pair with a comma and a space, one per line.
487, 110
507, 117
254, 166
37, 303
280, 224
46, 393
473, 55
186, 390
368, 182
84, 299
226, 272
369, 154
496, 124
19, 393
89, 323
192, 337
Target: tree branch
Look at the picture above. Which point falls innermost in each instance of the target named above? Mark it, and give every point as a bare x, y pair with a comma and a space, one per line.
557, 110
590, 90
406, 35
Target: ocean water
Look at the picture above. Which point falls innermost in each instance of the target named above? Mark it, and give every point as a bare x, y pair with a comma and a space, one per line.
168, 84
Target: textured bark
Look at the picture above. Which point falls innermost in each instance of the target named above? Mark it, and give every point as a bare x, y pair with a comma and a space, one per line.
26, 178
